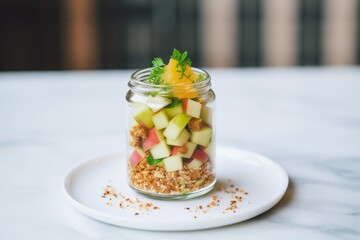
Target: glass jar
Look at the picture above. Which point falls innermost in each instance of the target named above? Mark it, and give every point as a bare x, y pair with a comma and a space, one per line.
170, 137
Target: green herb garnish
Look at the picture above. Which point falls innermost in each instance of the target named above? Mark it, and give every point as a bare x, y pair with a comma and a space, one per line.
183, 61
174, 102
157, 71
151, 161
201, 77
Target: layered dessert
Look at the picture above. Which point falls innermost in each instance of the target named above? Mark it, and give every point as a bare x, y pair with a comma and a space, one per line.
171, 135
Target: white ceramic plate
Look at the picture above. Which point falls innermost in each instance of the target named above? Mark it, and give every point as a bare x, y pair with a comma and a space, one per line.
263, 180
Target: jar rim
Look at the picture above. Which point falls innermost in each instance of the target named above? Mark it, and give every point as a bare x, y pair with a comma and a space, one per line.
136, 81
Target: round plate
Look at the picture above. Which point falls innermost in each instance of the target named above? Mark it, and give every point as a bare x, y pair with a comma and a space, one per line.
248, 185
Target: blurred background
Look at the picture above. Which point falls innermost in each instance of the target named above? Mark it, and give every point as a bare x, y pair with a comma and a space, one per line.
121, 34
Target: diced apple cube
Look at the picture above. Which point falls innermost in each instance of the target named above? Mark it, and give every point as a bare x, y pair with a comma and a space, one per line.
173, 163
191, 108
153, 138
180, 140
201, 137
199, 154
142, 114
157, 102
209, 150
172, 112
195, 163
176, 125
206, 115
136, 156
160, 150
160, 120
185, 151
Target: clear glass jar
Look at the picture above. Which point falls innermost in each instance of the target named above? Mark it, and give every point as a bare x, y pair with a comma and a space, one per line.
171, 137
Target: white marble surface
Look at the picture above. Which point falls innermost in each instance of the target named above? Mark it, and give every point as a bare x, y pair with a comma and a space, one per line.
306, 119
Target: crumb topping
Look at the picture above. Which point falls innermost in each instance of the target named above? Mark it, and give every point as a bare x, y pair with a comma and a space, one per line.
182, 181
195, 124
138, 135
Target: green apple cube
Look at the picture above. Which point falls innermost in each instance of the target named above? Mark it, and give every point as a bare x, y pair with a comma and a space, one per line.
160, 120
185, 150
191, 108
173, 163
142, 114
157, 102
206, 115
195, 163
201, 137
160, 150
176, 125
172, 112
180, 140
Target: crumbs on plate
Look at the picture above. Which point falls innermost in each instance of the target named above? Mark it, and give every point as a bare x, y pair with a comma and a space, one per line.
139, 207
226, 199
230, 200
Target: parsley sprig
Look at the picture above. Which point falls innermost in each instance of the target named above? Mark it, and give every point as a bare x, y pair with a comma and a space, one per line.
158, 69
183, 61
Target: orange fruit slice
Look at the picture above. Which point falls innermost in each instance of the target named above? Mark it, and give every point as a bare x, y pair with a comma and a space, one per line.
181, 84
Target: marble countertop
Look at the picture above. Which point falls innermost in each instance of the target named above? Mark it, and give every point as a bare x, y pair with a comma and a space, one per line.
306, 119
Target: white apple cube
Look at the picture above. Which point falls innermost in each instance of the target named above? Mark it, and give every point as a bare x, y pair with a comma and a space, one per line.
142, 114
154, 137
160, 120
185, 151
172, 112
191, 108
136, 156
201, 137
173, 163
180, 140
209, 150
157, 102
160, 150
207, 115
195, 163
176, 125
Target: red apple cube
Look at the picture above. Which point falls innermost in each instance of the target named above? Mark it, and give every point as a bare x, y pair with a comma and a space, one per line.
136, 156
154, 137
191, 108
199, 154
175, 151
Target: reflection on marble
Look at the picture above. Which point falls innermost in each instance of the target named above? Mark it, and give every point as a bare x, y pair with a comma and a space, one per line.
308, 120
